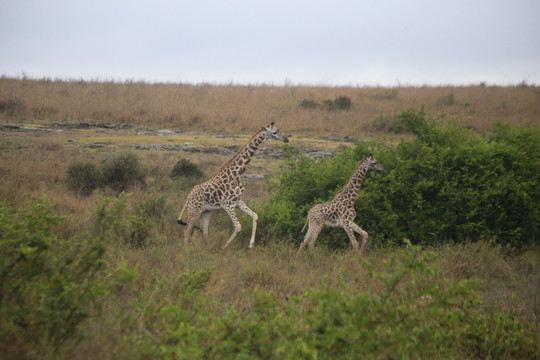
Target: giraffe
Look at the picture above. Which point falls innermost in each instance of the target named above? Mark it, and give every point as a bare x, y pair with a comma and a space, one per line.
339, 212
225, 190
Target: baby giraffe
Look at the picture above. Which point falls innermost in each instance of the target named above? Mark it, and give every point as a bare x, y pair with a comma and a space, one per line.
340, 212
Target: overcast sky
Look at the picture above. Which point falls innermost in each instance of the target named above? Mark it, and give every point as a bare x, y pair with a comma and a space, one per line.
332, 42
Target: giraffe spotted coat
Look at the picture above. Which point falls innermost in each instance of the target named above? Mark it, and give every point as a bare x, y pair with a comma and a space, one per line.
225, 189
339, 212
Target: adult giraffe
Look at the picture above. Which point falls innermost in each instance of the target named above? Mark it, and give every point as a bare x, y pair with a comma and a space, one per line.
339, 212
225, 189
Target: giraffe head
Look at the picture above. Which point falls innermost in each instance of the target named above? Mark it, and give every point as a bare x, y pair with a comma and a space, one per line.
272, 132
373, 164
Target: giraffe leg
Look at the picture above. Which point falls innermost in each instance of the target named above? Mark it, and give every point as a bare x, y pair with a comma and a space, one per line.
205, 222
306, 239
234, 219
350, 233
188, 232
193, 217
315, 234
311, 235
242, 206
363, 234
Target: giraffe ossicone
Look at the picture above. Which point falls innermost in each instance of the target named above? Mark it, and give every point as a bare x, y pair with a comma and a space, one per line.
225, 189
339, 212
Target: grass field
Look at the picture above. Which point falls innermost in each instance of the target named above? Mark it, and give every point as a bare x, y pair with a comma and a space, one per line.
162, 298
235, 109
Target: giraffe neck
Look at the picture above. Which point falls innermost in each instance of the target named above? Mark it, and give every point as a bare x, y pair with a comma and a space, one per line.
236, 166
350, 190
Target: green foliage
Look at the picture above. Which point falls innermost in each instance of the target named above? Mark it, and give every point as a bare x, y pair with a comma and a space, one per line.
444, 183
122, 171
83, 178
411, 314
117, 221
308, 104
118, 173
47, 283
186, 168
411, 311
341, 103
456, 184
304, 182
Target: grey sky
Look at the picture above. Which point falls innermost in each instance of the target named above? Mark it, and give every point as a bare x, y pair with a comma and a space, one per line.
332, 42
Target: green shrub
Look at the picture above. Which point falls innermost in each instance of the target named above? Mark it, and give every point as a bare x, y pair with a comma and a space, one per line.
122, 171
308, 104
446, 183
83, 178
116, 220
411, 312
342, 103
186, 168
47, 283
118, 173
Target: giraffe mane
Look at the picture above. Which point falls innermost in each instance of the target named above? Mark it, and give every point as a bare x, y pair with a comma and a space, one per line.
350, 177
228, 162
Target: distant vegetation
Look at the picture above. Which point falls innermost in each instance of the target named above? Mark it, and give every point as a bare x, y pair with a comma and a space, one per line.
340, 103
236, 109
117, 173
186, 168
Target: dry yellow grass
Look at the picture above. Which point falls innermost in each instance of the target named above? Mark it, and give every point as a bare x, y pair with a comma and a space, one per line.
234, 109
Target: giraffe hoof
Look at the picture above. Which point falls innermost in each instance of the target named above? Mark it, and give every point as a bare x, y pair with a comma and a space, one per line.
181, 222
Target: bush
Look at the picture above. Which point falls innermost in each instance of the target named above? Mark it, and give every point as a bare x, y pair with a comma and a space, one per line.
308, 104
186, 168
83, 178
446, 183
122, 171
118, 173
47, 283
115, 220
342, 103
409, 313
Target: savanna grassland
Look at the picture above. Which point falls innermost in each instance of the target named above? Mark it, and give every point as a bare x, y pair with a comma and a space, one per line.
102, 271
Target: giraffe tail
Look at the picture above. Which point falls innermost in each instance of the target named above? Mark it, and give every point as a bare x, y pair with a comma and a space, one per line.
180, 217
304, 228
183, 223
300, 236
